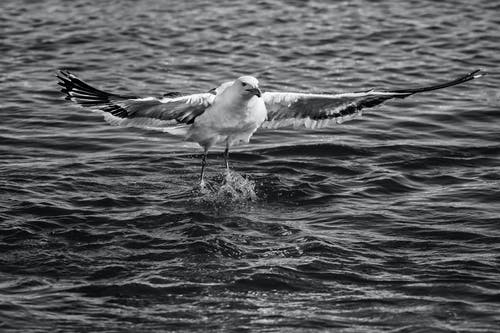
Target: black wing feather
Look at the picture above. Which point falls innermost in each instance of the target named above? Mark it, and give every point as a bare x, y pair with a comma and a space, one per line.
316, 107
80, 92
174, 106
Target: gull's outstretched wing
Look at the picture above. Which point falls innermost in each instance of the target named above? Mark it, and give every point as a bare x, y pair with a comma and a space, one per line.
148, 112
320, 110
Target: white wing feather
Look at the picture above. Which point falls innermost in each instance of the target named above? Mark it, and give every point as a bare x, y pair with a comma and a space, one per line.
321, 110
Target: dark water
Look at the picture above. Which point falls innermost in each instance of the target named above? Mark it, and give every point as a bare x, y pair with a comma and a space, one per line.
386, 223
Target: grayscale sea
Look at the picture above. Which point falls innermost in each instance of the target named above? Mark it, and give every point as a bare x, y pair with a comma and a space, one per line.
386, 223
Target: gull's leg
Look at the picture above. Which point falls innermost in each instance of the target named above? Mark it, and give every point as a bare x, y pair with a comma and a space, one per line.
203, 164
226, 156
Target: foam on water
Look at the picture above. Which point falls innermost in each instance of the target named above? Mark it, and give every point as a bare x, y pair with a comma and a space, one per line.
226, 189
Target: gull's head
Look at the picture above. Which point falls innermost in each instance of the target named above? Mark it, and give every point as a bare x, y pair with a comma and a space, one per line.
248, 86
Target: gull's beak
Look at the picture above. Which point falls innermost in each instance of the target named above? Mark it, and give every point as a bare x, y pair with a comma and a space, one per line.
255, 91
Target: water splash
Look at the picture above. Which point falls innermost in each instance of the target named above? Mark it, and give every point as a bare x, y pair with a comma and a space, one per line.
223, 190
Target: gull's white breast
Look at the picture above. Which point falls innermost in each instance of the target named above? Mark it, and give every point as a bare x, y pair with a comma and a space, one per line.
232, 119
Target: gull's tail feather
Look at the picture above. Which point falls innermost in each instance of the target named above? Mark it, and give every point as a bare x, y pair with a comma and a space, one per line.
470, 76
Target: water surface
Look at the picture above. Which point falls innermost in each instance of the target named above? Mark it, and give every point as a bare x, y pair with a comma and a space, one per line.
386, 223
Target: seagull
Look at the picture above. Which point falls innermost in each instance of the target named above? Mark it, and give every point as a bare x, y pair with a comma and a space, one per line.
232, 112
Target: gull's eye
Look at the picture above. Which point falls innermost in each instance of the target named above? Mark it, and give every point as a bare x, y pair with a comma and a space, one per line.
243, 84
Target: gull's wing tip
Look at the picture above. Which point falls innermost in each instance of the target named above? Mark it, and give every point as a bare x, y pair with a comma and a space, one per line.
478, 73
65, 78
63, 75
